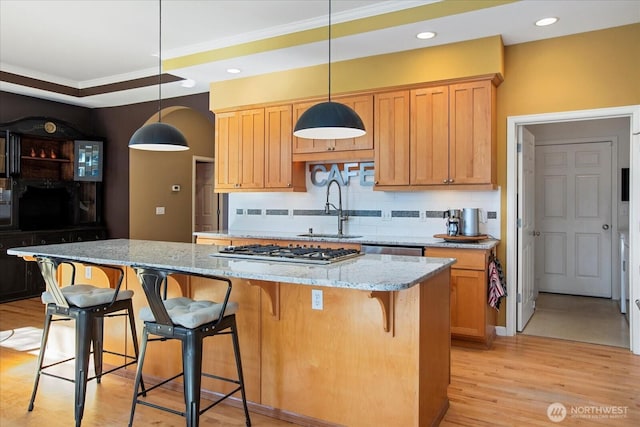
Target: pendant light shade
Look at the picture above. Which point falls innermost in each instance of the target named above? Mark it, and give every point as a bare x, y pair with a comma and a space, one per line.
159, 136
329, 120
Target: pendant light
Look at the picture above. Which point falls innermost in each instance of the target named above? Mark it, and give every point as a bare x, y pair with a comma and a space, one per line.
159, 136
329, 120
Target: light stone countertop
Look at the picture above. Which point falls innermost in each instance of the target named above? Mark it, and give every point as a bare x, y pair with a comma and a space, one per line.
367, 272
361, 239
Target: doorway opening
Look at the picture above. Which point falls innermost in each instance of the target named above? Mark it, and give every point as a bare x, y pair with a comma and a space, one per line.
520, 274
209, 208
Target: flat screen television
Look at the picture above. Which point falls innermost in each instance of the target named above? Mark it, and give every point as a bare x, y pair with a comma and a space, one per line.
88, 160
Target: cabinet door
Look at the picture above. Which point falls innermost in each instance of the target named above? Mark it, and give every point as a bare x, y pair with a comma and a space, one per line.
278, 135
14, 270
239, 150
363, 105
305, 145
227, 151
429, 136
251, 148
468, 303
471, 133
391, 132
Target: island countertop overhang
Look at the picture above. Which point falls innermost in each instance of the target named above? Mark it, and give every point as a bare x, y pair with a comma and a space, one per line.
367, 272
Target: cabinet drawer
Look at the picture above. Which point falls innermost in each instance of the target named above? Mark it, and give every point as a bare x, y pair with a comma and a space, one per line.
213, 241
468, 259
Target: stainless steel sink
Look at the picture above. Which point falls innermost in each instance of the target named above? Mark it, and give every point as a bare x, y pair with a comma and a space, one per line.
329, 236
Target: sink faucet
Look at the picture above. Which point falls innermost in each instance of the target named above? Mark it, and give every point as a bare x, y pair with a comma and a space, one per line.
341, 218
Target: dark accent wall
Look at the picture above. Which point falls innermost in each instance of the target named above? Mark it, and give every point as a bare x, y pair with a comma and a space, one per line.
115, 125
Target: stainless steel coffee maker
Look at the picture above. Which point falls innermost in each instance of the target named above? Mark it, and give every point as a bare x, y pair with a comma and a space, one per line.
453, 221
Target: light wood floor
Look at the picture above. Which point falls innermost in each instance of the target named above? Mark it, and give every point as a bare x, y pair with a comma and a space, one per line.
511, 385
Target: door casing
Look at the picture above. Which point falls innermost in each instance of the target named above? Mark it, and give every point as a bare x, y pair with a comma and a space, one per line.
513, 123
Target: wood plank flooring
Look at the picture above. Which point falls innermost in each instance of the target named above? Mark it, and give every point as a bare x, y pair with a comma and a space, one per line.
511, 385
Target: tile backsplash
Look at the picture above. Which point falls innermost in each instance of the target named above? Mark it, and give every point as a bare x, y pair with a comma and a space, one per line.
372, 213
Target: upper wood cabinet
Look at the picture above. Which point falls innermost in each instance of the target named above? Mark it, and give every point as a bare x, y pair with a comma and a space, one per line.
451, 141
239, 150
280, 170
422, 137
472, 133
253, 151
392, 138
316, 149
429, 138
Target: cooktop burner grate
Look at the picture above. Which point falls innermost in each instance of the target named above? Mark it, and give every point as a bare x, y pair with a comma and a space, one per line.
301, 254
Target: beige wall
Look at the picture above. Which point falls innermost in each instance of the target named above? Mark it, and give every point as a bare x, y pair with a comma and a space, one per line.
153, 173
592, 70
471, 58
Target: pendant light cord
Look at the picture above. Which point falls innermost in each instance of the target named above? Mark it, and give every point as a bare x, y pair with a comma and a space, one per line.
159, 61
329, 50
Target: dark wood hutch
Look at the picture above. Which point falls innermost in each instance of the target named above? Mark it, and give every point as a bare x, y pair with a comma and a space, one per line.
50, 192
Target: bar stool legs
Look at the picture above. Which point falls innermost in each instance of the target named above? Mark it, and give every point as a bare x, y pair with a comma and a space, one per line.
89, 324
192, 345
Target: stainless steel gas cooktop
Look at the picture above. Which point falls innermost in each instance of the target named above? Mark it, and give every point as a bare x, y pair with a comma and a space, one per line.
300, 254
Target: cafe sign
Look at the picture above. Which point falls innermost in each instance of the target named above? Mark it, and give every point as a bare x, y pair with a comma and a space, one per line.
321, 174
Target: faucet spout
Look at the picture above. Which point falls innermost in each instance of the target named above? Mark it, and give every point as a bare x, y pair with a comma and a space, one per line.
327, 205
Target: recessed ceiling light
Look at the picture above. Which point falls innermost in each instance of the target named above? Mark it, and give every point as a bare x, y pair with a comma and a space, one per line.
546, 21
233, 70
188, 83
426, 35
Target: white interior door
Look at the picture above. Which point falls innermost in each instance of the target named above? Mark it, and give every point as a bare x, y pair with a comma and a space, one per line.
526, 231
573, 215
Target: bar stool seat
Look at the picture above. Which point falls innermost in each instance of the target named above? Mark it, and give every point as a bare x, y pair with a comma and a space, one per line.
83, 296
189, 321
88, 306
190, 313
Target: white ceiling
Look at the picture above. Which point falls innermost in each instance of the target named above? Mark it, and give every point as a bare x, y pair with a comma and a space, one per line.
82, 44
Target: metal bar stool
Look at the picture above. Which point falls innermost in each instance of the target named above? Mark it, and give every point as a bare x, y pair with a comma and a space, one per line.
190, 322
88, 305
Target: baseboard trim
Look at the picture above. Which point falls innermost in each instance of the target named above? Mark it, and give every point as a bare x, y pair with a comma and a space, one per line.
501, 331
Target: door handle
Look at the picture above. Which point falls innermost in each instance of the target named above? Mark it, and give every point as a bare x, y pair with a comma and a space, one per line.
605, 227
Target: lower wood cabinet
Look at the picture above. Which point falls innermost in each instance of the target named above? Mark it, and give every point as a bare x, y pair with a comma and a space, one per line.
472, 319
21, 279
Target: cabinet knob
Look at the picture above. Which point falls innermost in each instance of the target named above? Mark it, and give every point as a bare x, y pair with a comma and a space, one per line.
377, 182
289, 184
444, 181
451, 181
43, 241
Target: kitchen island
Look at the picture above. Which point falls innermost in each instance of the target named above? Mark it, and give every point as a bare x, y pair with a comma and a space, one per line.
370, 348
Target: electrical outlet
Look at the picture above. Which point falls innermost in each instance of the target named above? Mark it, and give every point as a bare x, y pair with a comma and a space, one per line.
87, 272
386, 215
316, 299
423, 216
159, 210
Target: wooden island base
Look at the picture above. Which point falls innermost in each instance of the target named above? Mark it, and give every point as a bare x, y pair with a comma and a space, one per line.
373, 350
335, 366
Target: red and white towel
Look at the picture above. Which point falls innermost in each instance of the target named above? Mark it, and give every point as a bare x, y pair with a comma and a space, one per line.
496, 284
